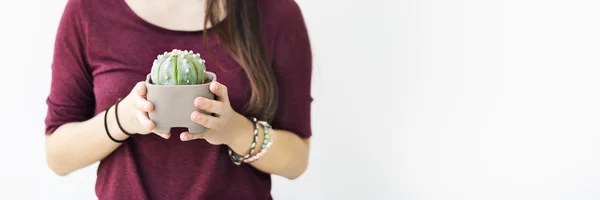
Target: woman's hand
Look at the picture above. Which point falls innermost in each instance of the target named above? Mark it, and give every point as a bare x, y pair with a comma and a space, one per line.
133, 112
223, 126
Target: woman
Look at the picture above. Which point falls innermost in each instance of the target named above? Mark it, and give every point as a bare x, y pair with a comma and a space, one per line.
97, 109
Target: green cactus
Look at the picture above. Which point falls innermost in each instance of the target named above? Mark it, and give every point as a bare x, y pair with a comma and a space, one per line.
178, 68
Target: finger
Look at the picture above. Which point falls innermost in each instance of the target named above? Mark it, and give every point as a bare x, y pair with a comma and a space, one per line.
145, 121
164, 135
209, 105
187, 136
220, 90
143, 105
206, 120
140, 88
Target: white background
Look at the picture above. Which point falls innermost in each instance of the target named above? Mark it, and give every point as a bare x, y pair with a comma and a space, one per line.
414, 100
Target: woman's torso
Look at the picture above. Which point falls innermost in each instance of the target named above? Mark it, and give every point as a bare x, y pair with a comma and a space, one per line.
120, 49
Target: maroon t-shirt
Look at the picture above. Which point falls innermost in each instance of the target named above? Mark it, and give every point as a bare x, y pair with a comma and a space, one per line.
103, 48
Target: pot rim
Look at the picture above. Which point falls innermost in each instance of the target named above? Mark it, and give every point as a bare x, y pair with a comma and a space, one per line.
210, 74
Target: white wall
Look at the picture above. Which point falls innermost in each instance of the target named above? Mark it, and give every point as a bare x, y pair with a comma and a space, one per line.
414, 100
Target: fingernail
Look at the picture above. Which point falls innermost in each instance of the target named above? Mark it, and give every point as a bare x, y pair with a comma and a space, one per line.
199, 100
196, 116
184, 136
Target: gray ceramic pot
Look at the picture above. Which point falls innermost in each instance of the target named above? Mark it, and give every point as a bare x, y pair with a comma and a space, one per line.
174, 104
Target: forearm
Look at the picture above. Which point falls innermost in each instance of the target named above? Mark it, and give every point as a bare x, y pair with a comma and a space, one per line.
79, 144
287, 157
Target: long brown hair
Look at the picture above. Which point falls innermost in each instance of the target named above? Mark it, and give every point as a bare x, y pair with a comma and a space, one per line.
240, 32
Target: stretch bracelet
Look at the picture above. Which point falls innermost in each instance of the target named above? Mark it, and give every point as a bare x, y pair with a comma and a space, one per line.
238, 159
268, 130
106, 127
117, 117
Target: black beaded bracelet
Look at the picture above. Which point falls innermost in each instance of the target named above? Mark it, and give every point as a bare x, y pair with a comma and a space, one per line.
106, 127
117, 117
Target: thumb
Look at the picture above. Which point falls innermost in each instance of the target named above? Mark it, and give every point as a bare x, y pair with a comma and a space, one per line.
187, 136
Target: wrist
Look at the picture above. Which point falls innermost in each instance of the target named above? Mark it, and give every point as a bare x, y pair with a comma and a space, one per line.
243, 135
121, 119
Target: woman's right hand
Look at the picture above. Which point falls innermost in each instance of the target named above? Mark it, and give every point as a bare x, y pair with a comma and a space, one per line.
133, 112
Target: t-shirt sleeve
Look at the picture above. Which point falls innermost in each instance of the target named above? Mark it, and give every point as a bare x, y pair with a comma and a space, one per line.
292, 64
71, 95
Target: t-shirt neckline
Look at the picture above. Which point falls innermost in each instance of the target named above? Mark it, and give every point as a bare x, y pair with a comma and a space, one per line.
155, 27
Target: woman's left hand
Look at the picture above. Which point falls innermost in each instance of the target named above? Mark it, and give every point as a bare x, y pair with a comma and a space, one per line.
222, 126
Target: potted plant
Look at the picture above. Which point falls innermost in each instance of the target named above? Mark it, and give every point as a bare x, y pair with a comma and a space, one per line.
176, 79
